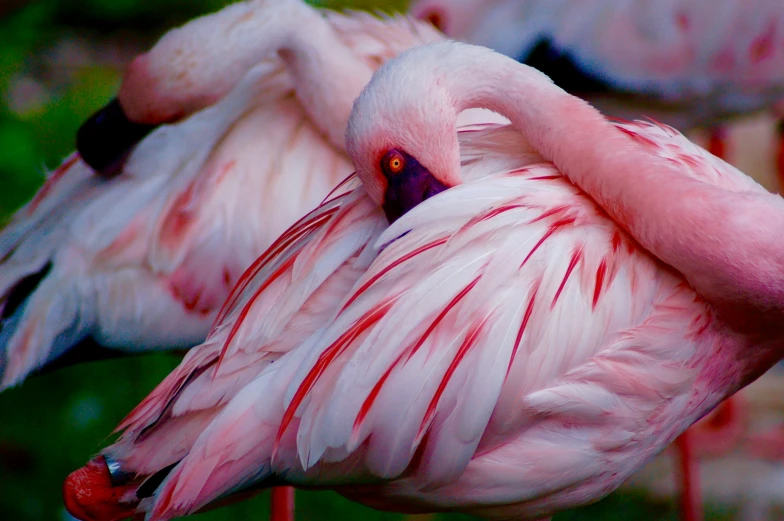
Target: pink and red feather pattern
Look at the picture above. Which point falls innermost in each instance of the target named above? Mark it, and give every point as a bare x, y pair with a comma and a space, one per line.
504, 310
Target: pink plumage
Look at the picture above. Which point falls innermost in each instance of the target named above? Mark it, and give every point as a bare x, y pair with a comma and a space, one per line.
690, 62
687, 63
511, 347
145, 260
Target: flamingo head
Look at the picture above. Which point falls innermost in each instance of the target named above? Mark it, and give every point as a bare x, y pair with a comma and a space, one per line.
451, 17
107, 138
402, 138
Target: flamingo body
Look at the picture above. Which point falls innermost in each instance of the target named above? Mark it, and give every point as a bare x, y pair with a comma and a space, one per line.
145, 259
439, 374
451, 378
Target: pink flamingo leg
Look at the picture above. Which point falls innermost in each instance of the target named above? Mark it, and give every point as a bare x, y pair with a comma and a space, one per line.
282, 505
721, 431
716, 434
691, 498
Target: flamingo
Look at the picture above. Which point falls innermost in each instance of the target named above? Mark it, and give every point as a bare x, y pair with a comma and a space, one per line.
688, 63
284, 297
550, 305
142, 256
670, 60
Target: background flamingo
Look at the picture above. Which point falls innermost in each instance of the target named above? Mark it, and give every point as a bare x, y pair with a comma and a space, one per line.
390, 389
143, 261
302, 136
688, 63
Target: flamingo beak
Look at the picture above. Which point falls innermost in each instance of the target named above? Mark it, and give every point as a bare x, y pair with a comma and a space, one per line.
408, 188
90, 495
107, 138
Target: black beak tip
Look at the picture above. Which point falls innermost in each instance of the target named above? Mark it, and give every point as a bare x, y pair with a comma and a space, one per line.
107, 138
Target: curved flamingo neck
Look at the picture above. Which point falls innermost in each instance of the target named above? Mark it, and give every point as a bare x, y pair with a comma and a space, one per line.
727, 244
196, 65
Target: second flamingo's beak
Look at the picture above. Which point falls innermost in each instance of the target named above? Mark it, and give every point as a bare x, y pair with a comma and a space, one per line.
107, 138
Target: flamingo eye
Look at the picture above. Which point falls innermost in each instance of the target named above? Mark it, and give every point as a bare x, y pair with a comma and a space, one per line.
393, 162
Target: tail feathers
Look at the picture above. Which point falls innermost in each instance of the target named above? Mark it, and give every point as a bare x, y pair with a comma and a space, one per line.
166, 505
234, 453
16, 285
65, 190
43, 316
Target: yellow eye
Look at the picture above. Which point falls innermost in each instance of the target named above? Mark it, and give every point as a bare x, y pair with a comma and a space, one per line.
393, 162
396, 164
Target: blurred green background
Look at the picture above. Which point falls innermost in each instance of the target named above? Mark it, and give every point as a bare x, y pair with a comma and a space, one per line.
60, 61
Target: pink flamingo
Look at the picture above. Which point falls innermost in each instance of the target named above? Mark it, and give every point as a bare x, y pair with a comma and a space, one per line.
164, 244
672, 61
688, 63
445, 378
145, 259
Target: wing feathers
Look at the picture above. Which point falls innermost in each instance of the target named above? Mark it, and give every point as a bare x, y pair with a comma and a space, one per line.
492, 313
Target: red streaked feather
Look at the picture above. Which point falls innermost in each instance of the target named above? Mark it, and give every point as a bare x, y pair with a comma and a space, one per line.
616, 242
326, 358
655, 122
489, 214
284, 241
494, 212
440, 317
600, 273
185, 379
246, 309
371, 398
547, 234
549, 213
411, 351
372, 280
335, 222
637, 136
465, 347
273, 251
123, 240
553, 228
563, 222
526, 317
163, 502
619, 121
328, 198
224, 171
576, 256
545, 177
689, 160
763, 46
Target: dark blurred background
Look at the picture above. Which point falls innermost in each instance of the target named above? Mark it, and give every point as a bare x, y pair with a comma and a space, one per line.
59, 62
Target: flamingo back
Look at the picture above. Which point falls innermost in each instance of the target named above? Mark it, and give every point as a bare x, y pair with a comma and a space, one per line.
144, 260
508, 311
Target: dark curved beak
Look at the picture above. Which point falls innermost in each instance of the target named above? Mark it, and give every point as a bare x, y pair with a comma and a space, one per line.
107, 138
408, 188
